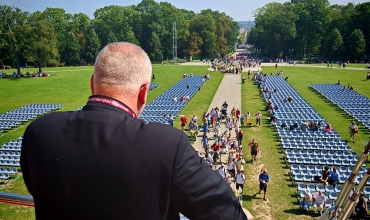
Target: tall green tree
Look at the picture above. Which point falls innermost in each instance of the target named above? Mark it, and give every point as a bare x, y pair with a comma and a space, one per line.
276, 27
62, 22
334, 45
92, 45
10, 19
360, 20
205, 26
195, 44
313, 18
80, 23
111, 38
115, 20
155, 47
356, 45
71, 54
42, 45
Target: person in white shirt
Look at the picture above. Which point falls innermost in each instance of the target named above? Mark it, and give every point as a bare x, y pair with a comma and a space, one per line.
195, 119
229, 125
231, 167
217, 129
222, 172
240, 181
258, 118
319, 200
209, 160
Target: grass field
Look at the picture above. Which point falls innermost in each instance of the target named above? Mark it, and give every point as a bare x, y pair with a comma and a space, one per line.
70, 87
282, 202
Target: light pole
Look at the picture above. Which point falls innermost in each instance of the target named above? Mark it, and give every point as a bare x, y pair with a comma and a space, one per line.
185, 50
290, 51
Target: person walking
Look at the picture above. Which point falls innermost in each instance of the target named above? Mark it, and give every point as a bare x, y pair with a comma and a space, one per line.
183, 121
240, 178
353, 130
240, 136
258, 118
264, 179
254, 149
205, 142
102, 162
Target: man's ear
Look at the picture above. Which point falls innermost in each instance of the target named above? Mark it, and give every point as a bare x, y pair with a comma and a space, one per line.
143, 93
92, 84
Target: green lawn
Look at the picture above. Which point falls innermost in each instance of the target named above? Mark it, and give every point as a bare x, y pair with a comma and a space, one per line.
70, 87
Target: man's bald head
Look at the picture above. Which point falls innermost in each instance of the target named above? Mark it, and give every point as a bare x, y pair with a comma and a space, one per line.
121, 68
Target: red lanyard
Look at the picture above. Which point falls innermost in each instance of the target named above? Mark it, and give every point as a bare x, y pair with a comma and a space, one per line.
113, 103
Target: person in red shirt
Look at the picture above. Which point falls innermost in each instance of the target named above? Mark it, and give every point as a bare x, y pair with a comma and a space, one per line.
183, 121
216, 146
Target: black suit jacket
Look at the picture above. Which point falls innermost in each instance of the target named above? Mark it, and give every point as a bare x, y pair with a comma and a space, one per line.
101, 163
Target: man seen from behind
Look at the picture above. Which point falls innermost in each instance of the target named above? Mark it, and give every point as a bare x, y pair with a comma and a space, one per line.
103, 163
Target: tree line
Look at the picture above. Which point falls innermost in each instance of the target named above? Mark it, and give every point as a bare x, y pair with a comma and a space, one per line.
312, 29
57, 38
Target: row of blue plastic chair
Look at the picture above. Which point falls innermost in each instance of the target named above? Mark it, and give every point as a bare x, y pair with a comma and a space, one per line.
13, 118
352, 102
302, 135
8, 170
10, 153
10, 148
12, 163
164, 104
307, 152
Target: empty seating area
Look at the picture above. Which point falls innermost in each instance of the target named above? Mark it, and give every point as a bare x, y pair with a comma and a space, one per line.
307, 152
153, 86
349, 101
164, 105
10, 153
13, 118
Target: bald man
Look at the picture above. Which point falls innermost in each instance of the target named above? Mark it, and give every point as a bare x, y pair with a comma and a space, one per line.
104, 163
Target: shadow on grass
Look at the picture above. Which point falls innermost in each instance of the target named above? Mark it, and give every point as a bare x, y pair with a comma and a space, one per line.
293, 211
250, 197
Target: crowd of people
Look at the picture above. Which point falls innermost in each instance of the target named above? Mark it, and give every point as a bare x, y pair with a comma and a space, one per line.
221, 134
26, 75
235, 65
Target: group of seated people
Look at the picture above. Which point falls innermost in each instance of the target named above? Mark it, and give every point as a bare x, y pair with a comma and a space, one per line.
273, 112
27, 75
305, 125
349, 87
187, 75
318, 199
182, 99
288, 100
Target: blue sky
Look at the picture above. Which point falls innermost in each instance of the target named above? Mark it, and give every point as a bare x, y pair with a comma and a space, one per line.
240, 10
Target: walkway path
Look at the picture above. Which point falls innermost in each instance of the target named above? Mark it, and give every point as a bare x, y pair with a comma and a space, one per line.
229, 90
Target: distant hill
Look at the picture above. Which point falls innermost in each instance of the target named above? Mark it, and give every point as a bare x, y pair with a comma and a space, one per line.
246, 24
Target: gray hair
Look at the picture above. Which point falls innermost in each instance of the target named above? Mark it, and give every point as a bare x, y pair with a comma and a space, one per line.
122, 66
